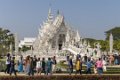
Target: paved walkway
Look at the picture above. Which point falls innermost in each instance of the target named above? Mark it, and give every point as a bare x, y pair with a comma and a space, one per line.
23, 74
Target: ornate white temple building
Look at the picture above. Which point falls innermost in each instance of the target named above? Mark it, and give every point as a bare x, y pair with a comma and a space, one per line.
56, 37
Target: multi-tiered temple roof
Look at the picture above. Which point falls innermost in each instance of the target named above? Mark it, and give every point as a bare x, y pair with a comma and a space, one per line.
54, 34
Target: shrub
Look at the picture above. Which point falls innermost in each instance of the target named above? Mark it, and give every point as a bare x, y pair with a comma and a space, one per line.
63, 77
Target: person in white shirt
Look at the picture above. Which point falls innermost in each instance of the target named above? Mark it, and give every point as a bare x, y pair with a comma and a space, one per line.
95, 69
54, 64
8, 63
104, 65
38, 66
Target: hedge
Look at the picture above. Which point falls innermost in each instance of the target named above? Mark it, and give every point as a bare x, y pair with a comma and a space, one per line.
63, 77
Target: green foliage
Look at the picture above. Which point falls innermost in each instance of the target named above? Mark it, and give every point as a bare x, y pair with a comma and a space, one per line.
116, 36
116, 45
24, 48
104, 45
2, 64
91, 41
6, 38
115, 32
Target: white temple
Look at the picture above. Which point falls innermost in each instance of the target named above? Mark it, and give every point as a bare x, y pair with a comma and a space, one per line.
55, 37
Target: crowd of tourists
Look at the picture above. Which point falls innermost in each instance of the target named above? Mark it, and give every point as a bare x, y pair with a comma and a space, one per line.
31, 65
98, 64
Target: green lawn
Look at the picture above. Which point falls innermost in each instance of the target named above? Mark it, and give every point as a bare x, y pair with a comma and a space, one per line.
2, 64
110, 69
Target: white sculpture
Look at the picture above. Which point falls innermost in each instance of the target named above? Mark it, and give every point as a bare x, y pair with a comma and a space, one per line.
111, 43
77, 37
98, 50
16, 44
67, 37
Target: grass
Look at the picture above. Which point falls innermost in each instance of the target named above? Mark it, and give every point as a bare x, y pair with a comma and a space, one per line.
2, 64
110, 70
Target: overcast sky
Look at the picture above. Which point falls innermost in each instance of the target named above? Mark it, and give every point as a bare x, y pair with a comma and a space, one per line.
91, 17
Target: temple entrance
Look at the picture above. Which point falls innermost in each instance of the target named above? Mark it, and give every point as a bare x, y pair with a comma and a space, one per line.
60, 46
61, 41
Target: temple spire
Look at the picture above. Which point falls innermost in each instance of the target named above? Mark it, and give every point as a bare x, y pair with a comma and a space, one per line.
50, 16
77, 36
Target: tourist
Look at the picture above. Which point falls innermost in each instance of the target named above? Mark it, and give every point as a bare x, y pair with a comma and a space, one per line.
54, 64
38, 66
43, 65
8, 63
111, 60
95, 69
92, 60
103, 57
49, 66
99, 65
12, 66
89, 65
78, 56
116, 59
27, 65
85, 58
34, 62
107, 59
104, 65
78, 65
20, 64
31, 69
70, 65
24, 67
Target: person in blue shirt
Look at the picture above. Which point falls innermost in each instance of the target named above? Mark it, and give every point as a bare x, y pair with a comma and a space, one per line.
20, 64
49, 66
89, 65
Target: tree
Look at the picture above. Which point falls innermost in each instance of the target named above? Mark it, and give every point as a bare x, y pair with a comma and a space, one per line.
115, 32
104, 43
91, 41
116, 45
116, 37
6, 38
25, 48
